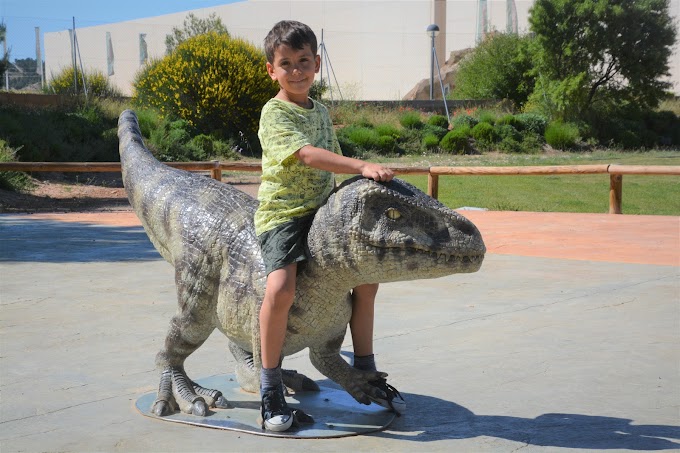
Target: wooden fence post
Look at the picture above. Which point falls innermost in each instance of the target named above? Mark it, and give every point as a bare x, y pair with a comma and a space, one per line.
615, 192
216, 172
433, 185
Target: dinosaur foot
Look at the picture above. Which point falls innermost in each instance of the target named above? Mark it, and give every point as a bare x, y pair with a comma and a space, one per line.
298, 382
177, 391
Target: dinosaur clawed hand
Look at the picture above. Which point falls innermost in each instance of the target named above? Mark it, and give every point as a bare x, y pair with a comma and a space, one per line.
177, 391
360, 387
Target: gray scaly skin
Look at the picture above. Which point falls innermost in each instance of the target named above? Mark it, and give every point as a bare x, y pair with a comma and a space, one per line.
367, 232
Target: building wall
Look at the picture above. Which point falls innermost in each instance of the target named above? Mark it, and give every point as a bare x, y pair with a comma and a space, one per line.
378, 49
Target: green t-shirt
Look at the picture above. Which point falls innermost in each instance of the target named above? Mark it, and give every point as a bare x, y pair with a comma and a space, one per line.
290, 188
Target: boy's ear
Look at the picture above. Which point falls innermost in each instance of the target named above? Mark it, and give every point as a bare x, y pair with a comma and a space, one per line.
270, 71
317, 60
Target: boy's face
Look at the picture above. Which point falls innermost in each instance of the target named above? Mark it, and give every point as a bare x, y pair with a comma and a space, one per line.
294, 70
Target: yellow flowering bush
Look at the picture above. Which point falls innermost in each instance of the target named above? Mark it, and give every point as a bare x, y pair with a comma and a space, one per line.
97, 83
216, 83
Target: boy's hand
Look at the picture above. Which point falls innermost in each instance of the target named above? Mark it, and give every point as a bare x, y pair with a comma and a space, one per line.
376, 172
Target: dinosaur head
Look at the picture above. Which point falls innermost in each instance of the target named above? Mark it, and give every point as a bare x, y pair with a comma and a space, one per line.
391, 232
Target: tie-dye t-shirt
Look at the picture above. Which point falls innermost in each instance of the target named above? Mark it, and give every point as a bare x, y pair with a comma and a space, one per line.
290, 188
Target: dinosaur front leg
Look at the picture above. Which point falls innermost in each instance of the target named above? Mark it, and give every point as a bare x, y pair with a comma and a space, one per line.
326, 358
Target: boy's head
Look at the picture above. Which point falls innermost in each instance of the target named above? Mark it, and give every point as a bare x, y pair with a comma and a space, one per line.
291, 33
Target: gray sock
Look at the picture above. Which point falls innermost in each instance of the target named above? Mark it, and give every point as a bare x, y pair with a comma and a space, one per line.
270, 377
364, 362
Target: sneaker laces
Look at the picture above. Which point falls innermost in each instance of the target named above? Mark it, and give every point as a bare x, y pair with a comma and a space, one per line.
274, 403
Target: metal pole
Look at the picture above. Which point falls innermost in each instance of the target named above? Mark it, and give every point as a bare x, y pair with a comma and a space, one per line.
4, 54
321, 58
432, 68
38, 57
75, 64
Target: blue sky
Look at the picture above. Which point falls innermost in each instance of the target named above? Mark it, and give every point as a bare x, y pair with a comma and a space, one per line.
22, 16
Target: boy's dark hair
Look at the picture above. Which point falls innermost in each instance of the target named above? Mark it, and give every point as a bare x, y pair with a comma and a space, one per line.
291, 33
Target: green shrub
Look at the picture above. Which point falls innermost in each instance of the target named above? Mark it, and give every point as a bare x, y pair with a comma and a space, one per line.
532, 122
411, 120
388, 130
77, 134
486, 116
439, 121
484, 134
363, 137
148, 120
456, 141
318, 89
509, 145
98, 85
665, 124
561, 135
387, 144
463, 121
531, 143
437, 131
12, 180
349, 148
215, 83
510, 120
504, 131
430, 141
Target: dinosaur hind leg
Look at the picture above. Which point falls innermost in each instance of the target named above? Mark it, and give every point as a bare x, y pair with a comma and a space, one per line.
189, 329
248, 375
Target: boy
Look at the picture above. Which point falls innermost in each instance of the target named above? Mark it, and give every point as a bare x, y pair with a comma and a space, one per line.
300, 154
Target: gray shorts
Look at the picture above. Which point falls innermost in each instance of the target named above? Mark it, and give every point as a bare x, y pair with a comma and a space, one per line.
285, 244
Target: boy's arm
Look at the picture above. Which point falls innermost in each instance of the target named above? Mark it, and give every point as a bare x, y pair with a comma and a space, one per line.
326, 160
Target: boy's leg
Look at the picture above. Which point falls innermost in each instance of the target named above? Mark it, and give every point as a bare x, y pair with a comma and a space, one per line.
361, 323
278, 298
361, 327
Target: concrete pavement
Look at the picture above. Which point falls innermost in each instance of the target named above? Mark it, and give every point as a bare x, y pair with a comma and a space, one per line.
567, 338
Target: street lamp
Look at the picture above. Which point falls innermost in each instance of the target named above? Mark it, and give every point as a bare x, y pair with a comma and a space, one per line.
432, 31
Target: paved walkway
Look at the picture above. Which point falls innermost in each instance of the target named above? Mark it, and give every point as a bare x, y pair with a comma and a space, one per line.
567, 338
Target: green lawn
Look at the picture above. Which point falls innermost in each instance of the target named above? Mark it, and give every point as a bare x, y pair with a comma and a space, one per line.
656, 195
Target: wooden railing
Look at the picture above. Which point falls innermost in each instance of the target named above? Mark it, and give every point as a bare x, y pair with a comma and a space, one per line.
215, 168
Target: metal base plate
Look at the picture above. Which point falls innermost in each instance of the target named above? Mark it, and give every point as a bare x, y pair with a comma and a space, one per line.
335, 412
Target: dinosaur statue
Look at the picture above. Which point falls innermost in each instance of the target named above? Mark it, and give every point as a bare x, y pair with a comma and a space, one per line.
367, 232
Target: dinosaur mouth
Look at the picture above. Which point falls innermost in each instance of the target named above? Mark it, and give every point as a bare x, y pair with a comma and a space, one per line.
465, 260
423, 259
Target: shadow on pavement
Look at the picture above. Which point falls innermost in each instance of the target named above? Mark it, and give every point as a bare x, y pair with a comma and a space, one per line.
37, 240
430, 419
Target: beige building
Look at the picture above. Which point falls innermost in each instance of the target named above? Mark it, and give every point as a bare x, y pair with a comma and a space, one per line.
376, 49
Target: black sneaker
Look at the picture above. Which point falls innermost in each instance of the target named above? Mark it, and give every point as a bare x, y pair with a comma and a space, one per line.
393, 401
274, 412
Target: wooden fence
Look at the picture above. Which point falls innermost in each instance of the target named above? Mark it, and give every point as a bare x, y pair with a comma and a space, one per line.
215, 168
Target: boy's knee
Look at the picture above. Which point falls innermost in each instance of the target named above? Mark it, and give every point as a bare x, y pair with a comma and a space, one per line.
280, 299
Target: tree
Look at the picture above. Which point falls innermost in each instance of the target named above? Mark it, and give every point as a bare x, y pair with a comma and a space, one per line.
499, 68
4, 61
24, 73
601, 52
193, 26
217, 84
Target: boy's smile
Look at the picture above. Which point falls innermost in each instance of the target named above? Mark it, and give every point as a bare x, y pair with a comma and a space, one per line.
294, 70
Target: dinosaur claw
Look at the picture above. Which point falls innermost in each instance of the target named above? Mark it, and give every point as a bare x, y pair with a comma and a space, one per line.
222, 403
161, 408
199, 408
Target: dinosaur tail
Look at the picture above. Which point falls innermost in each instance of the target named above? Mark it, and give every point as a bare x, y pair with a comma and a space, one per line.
179, 210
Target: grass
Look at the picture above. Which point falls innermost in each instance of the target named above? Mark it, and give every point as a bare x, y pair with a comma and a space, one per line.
651, 195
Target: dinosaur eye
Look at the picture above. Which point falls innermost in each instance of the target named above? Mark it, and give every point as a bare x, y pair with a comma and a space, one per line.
393, 214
